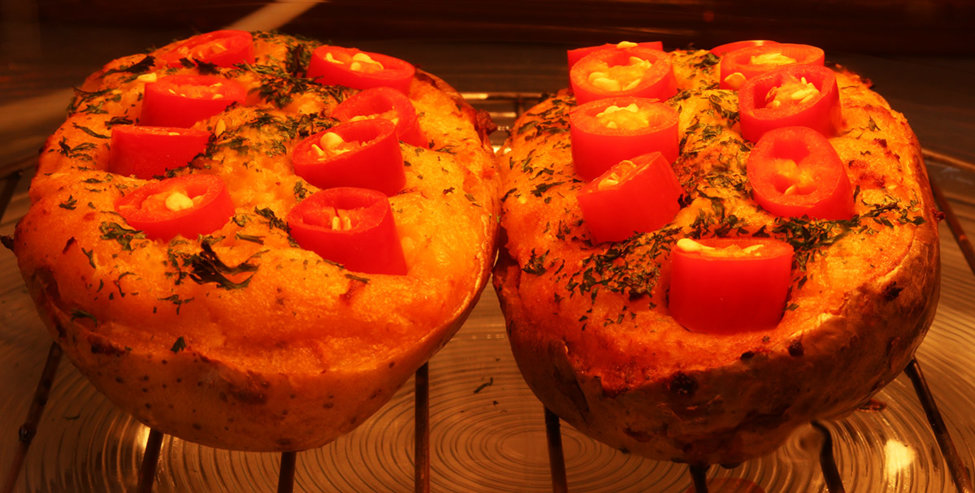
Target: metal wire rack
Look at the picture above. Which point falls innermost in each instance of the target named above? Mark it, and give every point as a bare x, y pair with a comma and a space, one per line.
503, 108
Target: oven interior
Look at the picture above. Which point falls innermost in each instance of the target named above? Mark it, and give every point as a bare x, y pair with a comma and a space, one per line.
486, 430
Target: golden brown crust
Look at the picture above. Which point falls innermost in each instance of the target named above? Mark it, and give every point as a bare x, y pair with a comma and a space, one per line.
589, 325
296, 352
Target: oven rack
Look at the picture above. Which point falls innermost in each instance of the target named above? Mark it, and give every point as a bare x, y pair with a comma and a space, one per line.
503, 107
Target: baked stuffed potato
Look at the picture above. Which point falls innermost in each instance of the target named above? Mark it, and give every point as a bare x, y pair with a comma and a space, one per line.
240, 337
590, 324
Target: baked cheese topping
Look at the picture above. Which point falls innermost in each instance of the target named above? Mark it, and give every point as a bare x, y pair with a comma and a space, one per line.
735, 80
771, 58
621, 77
360, 62
178, 201
689, 245
618, 174
791, 92
629, 117
331, 144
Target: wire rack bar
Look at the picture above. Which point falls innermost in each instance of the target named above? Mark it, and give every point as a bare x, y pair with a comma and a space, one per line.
951, 219
956, 466
27, 431
556, 458
421, 427
827, 462
286, 473
150, 460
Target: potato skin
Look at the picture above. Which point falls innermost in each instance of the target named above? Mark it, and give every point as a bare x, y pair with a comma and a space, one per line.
296, 351
589, 327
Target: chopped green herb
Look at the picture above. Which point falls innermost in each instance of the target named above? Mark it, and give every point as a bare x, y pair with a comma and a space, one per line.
251, 238
176, 300
136, 68
69, 204
300, 191
79, 313
205, 267
77, 152
91, 259
536, 264
179, 345
121, 234
273, 220
364, 280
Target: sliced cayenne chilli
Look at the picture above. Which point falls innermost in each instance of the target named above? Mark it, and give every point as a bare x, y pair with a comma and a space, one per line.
147, 152
224, 48
350, 67
744, 63
726, 48
351, 226
636, 195
362, 153
182, 100
795, 172
383, 102
628, 71
188, 205
576, 54
795, 95
607, 131
729, 285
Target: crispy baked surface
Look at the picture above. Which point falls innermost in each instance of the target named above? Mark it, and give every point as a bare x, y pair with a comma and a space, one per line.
240, 339
589, 325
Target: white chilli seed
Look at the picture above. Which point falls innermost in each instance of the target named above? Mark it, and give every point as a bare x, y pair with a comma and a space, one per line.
178, 201
330, 140
689, 245
607, 84
772, 58
633, 84
735, 80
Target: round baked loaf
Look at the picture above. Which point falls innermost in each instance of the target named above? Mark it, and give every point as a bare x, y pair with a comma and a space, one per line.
589, 323
239, 338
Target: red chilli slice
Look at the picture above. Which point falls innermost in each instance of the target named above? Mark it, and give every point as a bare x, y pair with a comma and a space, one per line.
363, 153
383, 102
182, 100
614, 72
224, 48
188, 205
744, 63
795, 172
729, 285
351, 226
350, 67
147, 152
795, 95
726, 48
607, 131
636, 195
576, 54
